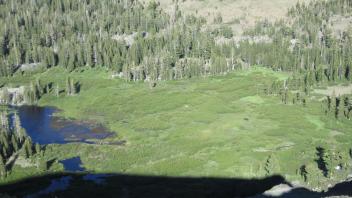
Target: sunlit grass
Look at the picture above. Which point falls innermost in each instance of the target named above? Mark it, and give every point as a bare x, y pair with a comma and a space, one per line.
218, 126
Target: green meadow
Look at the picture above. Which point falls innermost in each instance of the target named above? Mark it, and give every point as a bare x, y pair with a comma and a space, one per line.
213, 127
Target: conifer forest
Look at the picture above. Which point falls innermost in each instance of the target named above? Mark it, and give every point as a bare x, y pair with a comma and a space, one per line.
175, 98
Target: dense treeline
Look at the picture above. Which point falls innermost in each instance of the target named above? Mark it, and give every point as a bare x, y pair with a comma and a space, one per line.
307, 43
30, 94
144, 43
13, 141
124, 35
340, 107
71, 33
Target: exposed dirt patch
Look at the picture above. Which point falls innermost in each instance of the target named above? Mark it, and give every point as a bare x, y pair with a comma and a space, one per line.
335, 133
281, 147
253, 99
337, 90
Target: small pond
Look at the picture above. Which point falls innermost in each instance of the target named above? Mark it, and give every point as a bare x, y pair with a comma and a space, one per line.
73, 164
44, 128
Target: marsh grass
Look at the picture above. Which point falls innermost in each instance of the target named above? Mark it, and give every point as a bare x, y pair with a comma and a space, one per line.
219, 126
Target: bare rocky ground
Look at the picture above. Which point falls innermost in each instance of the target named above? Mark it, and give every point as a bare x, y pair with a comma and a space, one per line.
239, 14
341, 190
340, 24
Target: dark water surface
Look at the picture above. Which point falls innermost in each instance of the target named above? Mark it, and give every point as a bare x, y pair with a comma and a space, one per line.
44, 128
59, 184
73, 164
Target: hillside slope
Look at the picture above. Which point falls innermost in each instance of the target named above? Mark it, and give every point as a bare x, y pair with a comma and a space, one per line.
240, 14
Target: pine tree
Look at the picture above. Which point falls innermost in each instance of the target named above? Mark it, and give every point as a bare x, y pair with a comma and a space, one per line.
19, 131
322, 161
3, 172
14, 143
34, 93
5, 96
38, 88
57, 91
4, 121
73, 88
2, 159
37, 148
68, 86
337, 107
28, 146
329, 103
303, 172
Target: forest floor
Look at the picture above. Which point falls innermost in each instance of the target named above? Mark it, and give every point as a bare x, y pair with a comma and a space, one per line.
217, 127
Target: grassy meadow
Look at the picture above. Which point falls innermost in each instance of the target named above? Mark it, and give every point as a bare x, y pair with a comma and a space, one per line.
214, 127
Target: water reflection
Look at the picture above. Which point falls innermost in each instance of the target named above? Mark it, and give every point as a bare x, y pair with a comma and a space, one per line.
73, 164
44, 128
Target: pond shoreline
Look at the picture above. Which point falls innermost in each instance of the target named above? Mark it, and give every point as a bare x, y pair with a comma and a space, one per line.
44, 127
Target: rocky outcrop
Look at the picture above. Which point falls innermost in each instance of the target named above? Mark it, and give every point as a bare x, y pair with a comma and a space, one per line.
12, 96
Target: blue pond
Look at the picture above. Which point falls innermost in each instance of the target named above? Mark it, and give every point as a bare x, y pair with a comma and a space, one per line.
73, 164
44, 128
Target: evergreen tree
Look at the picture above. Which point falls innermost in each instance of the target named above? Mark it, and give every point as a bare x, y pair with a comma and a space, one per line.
72, 87
28, 146
68, 86
37, 148
3, 172
303, 172
57, 91
14, 143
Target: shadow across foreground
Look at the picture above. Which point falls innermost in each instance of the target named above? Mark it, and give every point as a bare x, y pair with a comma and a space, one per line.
118, 185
